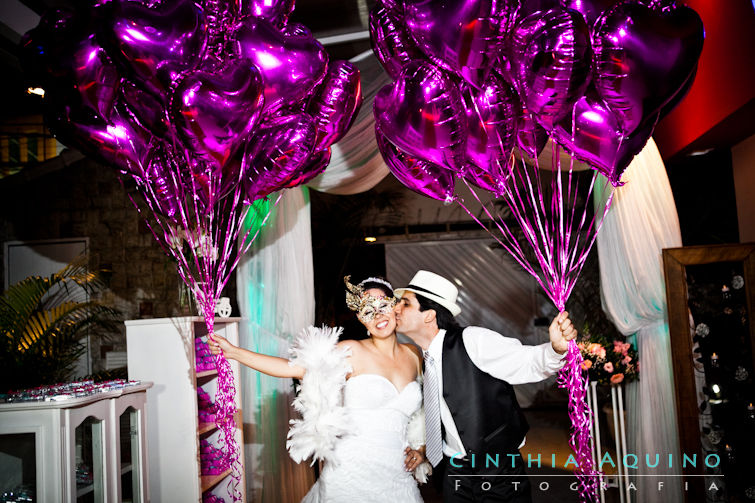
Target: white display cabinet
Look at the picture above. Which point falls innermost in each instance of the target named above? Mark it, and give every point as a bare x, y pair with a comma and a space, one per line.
163, 351
71, 450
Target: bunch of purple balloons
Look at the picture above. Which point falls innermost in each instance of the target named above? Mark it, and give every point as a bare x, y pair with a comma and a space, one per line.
205, 107
226, 89
476, 80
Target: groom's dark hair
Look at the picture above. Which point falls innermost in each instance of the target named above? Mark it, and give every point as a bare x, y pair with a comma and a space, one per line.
443, 316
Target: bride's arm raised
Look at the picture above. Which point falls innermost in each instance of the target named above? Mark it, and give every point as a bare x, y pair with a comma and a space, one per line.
270, 365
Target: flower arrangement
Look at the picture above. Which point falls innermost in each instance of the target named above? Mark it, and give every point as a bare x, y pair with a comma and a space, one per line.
609, 362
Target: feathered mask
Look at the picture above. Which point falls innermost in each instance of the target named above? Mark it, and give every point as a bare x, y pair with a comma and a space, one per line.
367, 306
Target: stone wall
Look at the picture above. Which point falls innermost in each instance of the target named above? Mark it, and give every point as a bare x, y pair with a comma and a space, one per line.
86, 199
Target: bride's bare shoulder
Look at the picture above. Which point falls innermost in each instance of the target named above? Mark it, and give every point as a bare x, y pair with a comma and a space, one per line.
413, 349
353, 345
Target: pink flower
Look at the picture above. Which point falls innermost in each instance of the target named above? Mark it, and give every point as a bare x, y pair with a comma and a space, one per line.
608, 367
627, 359
586, 364
617, 378
597, 350
621, 347
581, 346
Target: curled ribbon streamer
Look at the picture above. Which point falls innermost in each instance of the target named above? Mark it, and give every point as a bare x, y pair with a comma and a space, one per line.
225, 402
545, 220
202, 238
575, 380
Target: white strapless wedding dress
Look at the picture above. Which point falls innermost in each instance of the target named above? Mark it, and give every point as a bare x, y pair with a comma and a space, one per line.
369, 461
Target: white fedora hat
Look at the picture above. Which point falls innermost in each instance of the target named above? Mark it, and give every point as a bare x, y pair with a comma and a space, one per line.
433, 287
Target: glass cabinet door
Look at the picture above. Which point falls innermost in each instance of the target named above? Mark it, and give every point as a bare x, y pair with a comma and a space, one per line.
128, 425
89, 461
18, 467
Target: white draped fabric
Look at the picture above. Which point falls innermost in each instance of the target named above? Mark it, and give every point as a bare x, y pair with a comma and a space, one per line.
275, 284
643, 221
355, 162
276, 299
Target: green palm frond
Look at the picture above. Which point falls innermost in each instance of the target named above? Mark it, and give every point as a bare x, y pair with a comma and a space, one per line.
55, 323
41, 325
19, 302
78, 272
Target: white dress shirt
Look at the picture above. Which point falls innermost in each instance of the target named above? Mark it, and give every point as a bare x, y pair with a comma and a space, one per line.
502, 357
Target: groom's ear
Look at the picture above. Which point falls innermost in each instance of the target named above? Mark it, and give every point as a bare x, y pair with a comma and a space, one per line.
428, 316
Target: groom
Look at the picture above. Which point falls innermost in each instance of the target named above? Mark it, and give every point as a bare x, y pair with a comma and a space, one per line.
473, 422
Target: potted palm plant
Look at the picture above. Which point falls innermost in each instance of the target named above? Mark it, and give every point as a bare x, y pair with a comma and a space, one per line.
42, 323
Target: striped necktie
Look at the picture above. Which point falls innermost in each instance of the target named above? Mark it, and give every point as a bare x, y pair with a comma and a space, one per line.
433, 439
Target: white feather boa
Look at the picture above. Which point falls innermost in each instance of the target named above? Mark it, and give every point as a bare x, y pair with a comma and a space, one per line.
319, 399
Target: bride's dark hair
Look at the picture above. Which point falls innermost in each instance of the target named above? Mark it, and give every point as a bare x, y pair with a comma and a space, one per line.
379, 283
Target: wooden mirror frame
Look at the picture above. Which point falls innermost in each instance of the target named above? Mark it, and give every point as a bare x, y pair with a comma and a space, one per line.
675, 263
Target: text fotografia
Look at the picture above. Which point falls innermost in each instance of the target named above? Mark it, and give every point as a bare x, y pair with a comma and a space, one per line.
487, 485
629, 461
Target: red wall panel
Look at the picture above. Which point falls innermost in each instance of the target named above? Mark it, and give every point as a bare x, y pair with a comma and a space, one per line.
725, 84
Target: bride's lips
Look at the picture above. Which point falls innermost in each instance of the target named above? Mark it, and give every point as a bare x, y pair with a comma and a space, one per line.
382, 324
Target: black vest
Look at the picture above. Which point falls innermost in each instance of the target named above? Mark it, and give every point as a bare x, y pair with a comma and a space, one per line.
484, 408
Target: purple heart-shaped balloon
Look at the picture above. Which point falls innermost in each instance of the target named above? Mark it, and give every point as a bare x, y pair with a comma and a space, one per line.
550, 55
296, 30
95, 76
530, 136
214, 109
391, 43
643, 57
421, 176
493, 183
423, 115
679, 96
461, 36
291, 64
278, 151
165, 188
274, 11
492, 119
335, 102
316, 164
593, 134
119, 142
591, 10
155, 44
146, 108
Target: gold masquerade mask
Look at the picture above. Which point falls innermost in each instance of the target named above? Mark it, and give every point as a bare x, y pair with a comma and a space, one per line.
367, 306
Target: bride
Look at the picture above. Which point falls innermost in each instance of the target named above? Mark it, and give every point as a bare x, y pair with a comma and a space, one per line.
360, 403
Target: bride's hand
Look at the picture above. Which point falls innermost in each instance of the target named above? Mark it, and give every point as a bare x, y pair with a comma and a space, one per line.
414, 458
219, 343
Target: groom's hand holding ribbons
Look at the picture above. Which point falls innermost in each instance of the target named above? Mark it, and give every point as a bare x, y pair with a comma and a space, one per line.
561, 332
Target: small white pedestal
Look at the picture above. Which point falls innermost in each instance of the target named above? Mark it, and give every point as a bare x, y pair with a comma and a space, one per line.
619, 434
